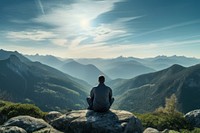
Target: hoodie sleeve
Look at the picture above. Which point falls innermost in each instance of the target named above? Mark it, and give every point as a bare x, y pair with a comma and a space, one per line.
92, 93
110, 94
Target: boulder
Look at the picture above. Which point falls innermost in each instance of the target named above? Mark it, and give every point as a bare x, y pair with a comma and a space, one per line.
47, 130
12, 129
52, 116
151, 130
168, 131
193, 117
27, 124
88, 121
3, 118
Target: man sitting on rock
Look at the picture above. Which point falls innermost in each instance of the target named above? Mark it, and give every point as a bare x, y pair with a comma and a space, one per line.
100, 98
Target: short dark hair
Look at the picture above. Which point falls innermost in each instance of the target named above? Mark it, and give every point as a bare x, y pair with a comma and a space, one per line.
101, 79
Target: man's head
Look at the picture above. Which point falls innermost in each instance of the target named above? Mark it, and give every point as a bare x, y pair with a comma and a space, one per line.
101, 79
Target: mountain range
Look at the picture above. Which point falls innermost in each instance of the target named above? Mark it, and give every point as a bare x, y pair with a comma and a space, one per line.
33, 82
120, 67
6, 54
126, 69
47, 59
89, 72
156, 63
147, 92
162, 62
86, 72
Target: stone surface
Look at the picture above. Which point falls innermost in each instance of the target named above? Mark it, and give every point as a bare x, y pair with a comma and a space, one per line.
167, 131
28, 123
12, 129
151, 130
52, 116
88, 121
193, 117
3, 118
47, 130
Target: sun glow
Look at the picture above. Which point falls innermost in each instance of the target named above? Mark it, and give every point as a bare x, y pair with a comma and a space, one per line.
85, 23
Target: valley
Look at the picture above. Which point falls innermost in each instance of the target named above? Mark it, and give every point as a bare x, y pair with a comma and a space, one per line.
61, 84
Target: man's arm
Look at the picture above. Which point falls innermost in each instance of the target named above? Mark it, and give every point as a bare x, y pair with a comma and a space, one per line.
110, 94
92, 93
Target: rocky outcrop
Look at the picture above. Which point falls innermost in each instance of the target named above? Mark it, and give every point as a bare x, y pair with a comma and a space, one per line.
23, 124
12, 129
3, 118
79, 121
28, 123
52, 116
193, 117
88, 121
151, 130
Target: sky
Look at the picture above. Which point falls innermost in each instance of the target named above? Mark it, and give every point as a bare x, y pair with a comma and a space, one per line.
101, 28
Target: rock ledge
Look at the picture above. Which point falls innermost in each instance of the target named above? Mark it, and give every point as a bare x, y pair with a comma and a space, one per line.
79, 121
87, 121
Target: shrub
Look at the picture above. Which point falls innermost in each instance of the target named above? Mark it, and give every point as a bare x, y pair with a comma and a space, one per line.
22, 109
165, 117
163, 121
4, 103
9, 110
170, 106
196, 130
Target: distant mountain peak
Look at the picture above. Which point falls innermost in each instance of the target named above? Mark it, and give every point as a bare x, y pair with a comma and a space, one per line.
91, 65
87, 72
6, 55
73, 62
176, 66
175, 69
161, 56
120, 57
14, 59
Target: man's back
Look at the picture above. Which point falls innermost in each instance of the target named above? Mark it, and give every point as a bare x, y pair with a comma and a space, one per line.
100, 98
102, 95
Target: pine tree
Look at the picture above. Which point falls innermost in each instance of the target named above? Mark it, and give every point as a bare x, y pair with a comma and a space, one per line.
170, 106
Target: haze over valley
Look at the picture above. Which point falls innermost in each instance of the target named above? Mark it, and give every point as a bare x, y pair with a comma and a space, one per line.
62, 84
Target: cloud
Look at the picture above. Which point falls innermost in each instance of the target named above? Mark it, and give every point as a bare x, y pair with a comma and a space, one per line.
69, 22
171, 27
19, 21
38, 35
60, 42
69, 16
110, 51
75, 42
114, 30
34, 35
41, 6
77, 29
105, 32
185, 43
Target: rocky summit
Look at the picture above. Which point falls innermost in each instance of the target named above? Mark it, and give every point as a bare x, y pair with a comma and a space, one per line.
26, 124
87, 121
77, 121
